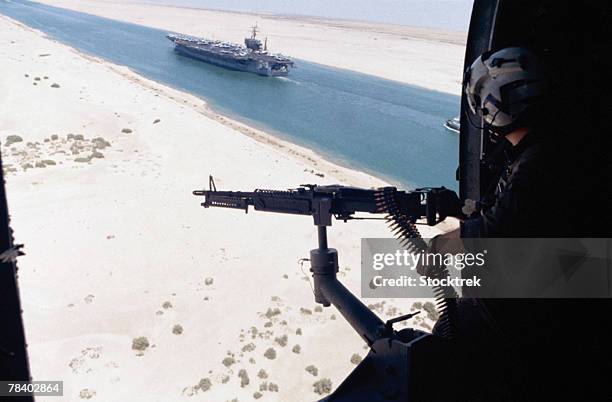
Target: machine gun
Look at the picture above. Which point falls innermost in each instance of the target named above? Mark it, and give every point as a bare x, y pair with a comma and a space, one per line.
341, 202
387, 372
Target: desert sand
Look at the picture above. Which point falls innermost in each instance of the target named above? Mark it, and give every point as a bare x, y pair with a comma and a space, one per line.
130, 290
427, 58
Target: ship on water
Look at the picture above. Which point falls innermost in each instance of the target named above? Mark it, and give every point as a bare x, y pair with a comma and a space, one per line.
453, 124
253, 57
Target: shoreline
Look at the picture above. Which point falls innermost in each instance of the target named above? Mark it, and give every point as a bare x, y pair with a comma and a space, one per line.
424, 57
301, 153
346, 174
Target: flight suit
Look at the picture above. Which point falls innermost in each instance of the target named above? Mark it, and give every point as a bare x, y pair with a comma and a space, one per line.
522, 347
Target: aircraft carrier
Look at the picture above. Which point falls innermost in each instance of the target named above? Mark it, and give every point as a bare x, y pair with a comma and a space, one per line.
253, 57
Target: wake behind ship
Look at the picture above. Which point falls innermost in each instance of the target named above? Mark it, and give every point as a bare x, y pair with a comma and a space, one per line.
252, 58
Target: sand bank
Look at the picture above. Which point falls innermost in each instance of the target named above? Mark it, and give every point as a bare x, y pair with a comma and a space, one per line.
99, 191
427, 58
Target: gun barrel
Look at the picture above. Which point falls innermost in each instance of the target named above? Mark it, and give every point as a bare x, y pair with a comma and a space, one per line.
226, 199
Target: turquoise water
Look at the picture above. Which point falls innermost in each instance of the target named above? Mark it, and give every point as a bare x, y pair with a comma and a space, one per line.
380, 126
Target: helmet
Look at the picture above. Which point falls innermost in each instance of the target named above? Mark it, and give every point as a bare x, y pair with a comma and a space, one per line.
505, 88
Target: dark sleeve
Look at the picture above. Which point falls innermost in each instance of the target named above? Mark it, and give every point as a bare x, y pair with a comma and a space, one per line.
516, 208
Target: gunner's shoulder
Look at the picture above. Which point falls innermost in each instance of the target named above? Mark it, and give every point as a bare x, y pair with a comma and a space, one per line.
533, 153
531, 164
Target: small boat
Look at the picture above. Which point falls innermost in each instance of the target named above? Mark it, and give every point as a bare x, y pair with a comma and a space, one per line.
453, 124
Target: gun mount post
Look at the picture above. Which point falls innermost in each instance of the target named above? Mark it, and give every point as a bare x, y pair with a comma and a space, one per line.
322, 235
328, 290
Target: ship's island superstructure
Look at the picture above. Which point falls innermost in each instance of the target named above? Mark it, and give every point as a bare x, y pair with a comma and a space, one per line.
253, 57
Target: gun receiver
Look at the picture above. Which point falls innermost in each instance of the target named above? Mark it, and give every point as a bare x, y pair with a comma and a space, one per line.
323, 202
